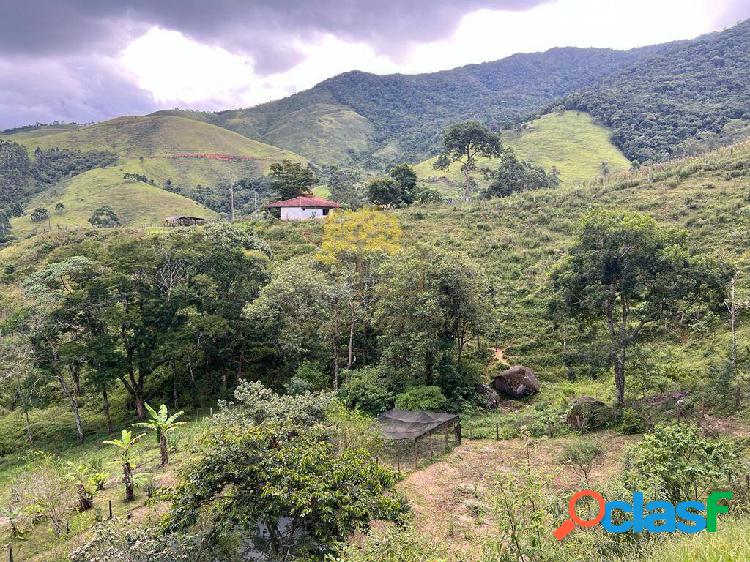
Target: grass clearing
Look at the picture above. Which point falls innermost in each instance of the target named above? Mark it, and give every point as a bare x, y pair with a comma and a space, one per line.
570, 141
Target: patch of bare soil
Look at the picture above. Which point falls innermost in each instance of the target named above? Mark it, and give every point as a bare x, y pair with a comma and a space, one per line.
448, 496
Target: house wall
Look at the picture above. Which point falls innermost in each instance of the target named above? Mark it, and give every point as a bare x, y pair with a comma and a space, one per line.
300, 213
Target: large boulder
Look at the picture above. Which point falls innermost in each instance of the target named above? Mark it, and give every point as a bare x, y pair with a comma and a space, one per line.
587, 414
488, 397
516, 382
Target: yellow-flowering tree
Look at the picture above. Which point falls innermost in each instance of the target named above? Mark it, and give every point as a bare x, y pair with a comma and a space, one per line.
352, 242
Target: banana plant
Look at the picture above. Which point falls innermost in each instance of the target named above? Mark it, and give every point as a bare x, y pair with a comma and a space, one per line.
161, 423
125, 444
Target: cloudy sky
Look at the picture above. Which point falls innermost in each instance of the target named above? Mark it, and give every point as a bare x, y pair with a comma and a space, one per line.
88, 60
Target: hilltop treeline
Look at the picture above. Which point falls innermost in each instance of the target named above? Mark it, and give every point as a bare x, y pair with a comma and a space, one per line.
688, 89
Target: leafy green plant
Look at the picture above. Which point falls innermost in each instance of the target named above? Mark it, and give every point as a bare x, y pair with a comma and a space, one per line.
429, 398
677, 461
125, 445
161, 423
581, 454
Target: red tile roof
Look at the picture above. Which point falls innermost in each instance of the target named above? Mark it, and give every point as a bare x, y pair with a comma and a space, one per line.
314, 202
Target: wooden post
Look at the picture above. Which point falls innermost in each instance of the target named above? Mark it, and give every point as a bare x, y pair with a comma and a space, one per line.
10, 553
416, 454
458, 432
110, 509
445, 433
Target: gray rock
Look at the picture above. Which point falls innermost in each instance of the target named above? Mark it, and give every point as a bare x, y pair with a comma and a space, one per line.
516, 382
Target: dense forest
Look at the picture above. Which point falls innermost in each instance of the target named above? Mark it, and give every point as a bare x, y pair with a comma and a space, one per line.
407, 114
656, 107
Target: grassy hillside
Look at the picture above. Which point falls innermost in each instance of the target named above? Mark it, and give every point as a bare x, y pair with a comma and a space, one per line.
135, 203
520, 238
570, 141
398, 117
148, 145
155, 136
154, 147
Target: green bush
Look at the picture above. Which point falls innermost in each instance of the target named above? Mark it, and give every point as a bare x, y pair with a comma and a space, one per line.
422, 398
367, 390
311, 373
632, 422
678, 462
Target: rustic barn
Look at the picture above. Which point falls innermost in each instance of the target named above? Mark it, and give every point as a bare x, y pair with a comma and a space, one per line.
184, 221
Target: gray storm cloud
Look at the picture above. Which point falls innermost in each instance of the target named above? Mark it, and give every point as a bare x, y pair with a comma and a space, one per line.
53, 52
261, 28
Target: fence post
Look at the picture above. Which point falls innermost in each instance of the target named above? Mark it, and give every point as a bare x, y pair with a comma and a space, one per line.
10, 553
110, 509
416, 454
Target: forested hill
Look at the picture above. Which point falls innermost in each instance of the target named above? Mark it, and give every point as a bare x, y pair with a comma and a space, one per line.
687, 96
381, 119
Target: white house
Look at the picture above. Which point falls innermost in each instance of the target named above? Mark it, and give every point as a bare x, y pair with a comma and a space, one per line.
303, 208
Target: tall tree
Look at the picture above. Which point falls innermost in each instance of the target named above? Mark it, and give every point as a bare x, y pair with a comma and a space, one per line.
291, 179
626, 271
464, 143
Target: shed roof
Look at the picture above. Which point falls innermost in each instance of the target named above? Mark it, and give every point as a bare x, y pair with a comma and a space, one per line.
408, 424
316, 202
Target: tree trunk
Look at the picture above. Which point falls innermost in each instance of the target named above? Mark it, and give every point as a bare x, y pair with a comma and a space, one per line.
85, 501
73, 406
620, 376
175, 395
163, 448
224, 382
28, 425
75, 371
127, 478
105, 408
350, 361
140, 409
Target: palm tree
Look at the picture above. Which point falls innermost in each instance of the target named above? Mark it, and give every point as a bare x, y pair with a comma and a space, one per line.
161, 423
125, 444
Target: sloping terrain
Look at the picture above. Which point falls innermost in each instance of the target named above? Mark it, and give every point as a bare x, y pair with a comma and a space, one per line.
164, 151
687, 89
518, 239
400, 117
135, 203
569, 141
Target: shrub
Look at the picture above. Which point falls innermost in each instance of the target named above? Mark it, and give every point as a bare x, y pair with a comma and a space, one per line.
458, 382
311, 374
39, 214
677, 461
104, 217
114, 540
581, 454
422, 398
367, 390
394, 543
632, 422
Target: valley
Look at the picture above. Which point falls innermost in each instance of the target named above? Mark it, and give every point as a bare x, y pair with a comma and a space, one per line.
582, 214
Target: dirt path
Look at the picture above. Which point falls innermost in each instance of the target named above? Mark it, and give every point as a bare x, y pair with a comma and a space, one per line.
447, 496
